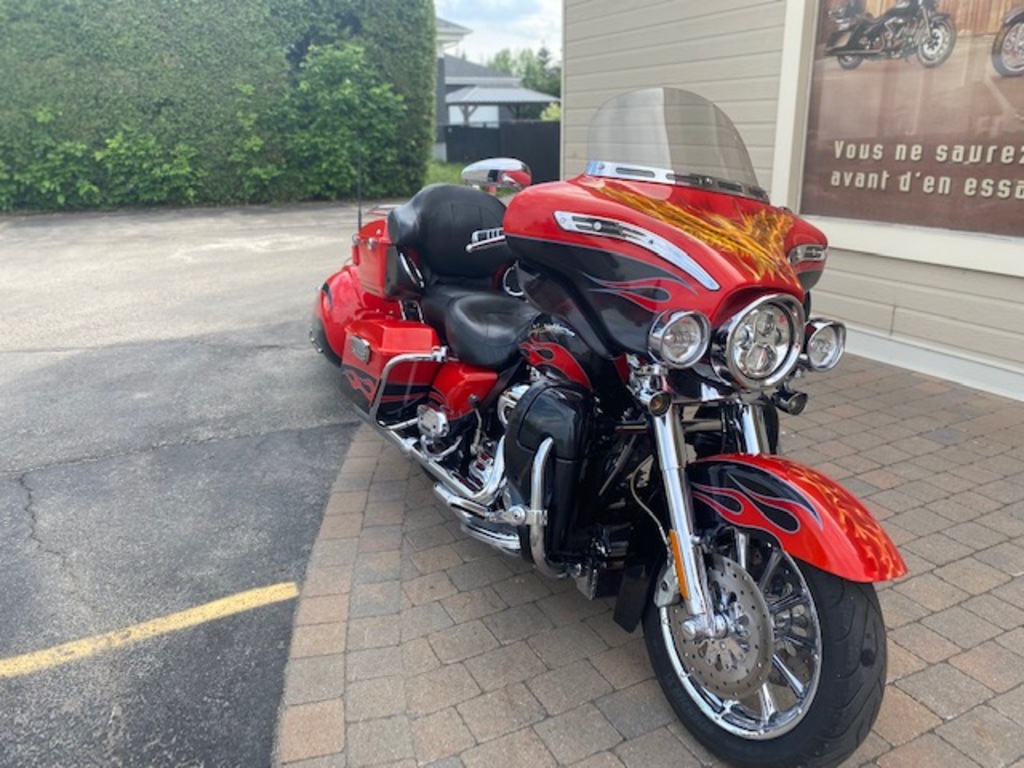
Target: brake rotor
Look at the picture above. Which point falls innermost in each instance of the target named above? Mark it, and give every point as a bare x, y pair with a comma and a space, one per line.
738, 661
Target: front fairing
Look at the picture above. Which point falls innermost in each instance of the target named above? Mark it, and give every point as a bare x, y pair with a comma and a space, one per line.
612, 255
668, 216
707, 250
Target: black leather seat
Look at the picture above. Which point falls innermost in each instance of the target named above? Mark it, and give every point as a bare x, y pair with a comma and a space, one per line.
485, 329
437, 299
437, 224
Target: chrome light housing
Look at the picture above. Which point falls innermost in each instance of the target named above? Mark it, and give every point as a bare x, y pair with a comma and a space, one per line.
809, 252
761, 344
826, 342
679, 339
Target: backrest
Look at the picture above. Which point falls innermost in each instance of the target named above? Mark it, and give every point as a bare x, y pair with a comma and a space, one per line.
437, 224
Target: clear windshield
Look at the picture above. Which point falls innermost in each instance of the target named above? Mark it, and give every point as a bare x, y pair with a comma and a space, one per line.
670, 136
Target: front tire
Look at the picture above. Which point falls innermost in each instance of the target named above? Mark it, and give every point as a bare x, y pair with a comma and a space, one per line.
938, 46
821, 695
849, 62
1008, 50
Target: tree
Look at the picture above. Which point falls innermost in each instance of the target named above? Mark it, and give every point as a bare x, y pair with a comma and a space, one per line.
535, 71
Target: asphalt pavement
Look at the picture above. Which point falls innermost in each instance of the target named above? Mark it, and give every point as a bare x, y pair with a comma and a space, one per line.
168, 439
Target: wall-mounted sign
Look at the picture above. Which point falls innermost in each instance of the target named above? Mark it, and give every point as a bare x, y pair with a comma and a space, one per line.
917, 115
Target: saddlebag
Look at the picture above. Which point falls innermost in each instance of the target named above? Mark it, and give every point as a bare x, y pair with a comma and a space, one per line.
388, 363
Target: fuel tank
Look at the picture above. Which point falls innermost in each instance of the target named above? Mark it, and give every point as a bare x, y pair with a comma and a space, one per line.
610, 255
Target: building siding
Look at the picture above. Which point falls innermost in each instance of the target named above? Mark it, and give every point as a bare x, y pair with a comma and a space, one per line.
973, 314
710, 48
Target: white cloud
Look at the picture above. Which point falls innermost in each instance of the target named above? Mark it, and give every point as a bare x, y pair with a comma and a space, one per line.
497, 24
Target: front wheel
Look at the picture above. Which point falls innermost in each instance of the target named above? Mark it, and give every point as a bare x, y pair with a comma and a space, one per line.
849, 62
796, 671
938, 45
1008, 50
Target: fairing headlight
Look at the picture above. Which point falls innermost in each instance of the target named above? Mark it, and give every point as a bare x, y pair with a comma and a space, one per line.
826, 340
760, 345
679, 339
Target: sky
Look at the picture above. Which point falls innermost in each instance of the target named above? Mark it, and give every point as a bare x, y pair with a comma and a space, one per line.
497, 24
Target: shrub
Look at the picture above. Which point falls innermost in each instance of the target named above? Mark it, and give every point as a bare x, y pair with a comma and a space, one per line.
137, 169
129, 102
340, 123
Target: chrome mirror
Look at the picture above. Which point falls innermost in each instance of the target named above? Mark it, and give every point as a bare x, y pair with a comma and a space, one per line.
498, 173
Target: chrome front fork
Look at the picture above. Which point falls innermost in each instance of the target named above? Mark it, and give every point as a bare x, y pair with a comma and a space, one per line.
684, 546
686, 549
751, 427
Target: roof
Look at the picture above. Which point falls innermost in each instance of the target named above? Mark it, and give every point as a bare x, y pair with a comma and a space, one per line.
450, 27
477, 95
458, 71
448, 33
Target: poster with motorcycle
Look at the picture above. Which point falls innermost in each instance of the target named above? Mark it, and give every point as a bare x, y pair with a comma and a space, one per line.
917, 114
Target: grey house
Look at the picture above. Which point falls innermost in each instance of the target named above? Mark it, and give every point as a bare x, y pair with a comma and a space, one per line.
470, 94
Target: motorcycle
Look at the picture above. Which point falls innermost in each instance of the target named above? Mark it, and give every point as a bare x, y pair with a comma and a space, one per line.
593, 376
1008, 47
908, 28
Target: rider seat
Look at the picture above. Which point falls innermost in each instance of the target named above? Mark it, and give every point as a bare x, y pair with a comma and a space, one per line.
485, 329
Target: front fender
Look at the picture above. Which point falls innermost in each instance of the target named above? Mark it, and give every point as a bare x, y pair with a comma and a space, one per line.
813, 518
1014, 15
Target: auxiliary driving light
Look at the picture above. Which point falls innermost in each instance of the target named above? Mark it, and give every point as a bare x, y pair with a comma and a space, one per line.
679, 339
826, 340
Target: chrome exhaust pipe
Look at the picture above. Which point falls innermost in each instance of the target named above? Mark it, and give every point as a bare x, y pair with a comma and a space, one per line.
477, 521
459, 503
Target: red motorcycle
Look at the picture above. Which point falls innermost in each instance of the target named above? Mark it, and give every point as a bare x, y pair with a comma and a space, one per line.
592, 377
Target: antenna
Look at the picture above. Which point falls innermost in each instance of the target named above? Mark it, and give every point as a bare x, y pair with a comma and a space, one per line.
359, 187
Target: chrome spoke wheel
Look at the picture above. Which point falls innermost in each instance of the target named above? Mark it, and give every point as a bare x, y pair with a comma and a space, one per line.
757, 677
1008, 50
938, 45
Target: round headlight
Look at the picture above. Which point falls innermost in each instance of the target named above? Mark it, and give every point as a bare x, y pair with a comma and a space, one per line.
826, 340
759, 346
679, 339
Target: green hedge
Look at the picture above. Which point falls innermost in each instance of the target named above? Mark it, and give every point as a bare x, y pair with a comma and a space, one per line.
143, 102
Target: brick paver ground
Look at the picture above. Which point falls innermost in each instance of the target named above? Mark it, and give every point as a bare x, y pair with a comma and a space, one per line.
415, 645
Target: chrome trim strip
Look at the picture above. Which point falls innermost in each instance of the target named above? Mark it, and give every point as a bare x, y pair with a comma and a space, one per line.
599, 226
631, 172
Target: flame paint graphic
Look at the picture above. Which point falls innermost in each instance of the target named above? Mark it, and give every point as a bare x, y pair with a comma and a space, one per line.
786, 506
544, 354
648, 294
847, 540
782, 514
363, 384
756, 240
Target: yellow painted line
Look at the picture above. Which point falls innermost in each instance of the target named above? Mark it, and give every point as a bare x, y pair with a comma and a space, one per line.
28, 663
